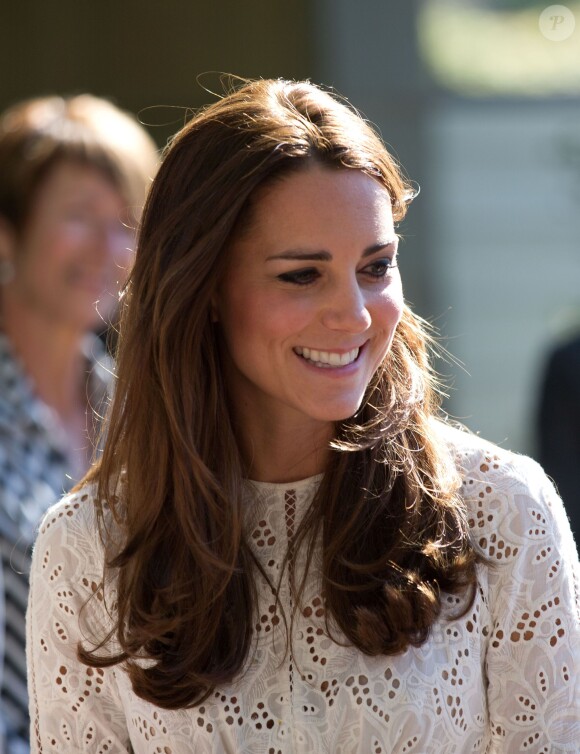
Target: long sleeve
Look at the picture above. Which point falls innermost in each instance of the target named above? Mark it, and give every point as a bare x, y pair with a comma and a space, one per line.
72, 707
533, 660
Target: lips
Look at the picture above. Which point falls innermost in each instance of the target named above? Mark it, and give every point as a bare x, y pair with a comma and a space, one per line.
327, 359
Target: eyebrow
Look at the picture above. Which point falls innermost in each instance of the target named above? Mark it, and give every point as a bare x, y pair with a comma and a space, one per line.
326, 256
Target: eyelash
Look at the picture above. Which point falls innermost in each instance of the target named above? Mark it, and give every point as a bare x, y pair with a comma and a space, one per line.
308, 275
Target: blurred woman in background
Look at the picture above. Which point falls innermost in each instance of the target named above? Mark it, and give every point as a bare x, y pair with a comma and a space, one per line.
73, 179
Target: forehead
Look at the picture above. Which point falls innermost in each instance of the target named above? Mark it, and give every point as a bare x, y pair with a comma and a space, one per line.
70, 180
320, 199
68, 174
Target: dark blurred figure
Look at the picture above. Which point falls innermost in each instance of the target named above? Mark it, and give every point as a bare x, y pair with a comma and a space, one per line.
73, 179
559, 426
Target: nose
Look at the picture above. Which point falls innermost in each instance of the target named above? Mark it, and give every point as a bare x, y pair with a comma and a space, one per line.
346, 309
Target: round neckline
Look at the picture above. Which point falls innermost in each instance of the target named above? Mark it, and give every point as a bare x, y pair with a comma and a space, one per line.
299, 485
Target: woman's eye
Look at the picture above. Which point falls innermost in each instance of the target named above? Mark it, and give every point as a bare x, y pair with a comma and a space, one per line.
380, 268
300, 277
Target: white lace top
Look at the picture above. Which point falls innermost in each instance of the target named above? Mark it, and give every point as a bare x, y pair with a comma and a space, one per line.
504, 678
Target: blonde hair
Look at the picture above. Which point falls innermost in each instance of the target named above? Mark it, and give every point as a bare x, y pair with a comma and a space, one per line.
38, 134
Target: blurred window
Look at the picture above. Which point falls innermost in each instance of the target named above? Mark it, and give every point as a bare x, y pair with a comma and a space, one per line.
480, 48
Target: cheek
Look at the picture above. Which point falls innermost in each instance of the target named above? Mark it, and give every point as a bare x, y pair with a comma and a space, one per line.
239, 320
35, 263
390, 306
47, 253
122, 260
117, 270
260, 320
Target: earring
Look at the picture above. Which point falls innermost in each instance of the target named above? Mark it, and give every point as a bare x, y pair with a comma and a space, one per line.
6, 271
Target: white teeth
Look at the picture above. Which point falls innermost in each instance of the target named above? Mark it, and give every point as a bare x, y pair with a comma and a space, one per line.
327, 358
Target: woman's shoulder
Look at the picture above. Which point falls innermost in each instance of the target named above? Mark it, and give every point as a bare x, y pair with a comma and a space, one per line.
72, 524
477, 459
510, 502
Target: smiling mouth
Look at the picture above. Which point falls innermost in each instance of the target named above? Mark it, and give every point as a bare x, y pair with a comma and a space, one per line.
327, 359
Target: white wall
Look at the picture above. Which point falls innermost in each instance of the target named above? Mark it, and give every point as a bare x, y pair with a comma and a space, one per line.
503, 255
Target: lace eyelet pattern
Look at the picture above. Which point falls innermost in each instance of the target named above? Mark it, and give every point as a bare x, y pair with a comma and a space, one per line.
504, 677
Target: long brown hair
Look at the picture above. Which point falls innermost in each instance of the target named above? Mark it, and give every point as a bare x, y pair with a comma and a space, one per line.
393, 530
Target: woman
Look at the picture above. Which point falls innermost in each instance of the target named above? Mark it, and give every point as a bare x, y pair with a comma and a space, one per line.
282, 548
73, 175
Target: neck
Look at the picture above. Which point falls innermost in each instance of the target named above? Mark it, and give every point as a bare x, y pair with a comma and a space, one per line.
50, 355
284, 453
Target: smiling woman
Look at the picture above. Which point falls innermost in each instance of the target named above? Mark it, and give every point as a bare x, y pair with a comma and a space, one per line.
285, 546
73, 174
307, 308
73, 252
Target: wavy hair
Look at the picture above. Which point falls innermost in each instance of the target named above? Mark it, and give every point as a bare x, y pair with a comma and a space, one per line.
393, 530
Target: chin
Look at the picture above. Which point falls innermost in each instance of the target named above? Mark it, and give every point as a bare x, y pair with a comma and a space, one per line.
339, 414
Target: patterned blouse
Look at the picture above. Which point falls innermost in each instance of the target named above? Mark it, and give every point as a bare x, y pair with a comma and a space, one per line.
34, 472
504, 678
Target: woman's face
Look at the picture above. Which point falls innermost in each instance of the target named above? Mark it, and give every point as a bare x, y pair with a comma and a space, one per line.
310, 299
74, 250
